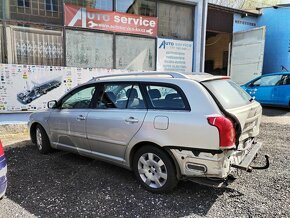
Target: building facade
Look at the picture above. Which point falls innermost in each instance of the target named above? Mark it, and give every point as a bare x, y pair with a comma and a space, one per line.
35, 32
277, 46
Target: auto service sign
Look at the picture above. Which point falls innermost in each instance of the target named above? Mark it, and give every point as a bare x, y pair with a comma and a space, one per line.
174, 55
76, 16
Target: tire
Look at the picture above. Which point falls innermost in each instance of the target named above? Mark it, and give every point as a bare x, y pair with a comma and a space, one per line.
42, 141
154, 169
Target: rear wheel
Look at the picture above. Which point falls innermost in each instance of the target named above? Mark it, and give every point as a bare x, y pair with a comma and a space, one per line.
154, 169
42, 141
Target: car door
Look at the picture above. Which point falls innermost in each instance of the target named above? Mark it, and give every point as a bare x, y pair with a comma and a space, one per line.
262, 88
281, 92
118, 115
67, 123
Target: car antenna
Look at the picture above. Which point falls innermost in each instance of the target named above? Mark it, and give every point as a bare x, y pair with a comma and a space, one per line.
284, 68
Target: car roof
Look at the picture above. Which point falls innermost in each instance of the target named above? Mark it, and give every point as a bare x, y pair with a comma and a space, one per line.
157, 76
276, 73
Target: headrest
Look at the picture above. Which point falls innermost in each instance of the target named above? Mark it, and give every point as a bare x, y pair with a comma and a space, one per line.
154, 93
172, 96
132, 93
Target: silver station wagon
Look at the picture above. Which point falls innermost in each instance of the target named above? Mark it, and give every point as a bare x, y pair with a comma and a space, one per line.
165, 127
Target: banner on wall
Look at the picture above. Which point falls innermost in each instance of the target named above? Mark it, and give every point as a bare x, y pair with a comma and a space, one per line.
174, 55
30, 87
76, 16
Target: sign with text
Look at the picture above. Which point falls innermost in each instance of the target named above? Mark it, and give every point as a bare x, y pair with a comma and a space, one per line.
76, 16
174, 55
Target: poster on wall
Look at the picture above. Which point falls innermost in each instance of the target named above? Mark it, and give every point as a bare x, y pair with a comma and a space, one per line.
174, 55
25, 87
30, 87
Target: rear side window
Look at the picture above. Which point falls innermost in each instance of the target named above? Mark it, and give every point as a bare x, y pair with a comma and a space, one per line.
228, 93
164, 97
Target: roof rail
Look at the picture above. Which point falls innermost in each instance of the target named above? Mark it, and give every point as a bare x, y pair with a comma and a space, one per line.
172, 74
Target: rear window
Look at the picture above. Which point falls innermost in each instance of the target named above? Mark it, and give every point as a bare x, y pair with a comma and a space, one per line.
228, 93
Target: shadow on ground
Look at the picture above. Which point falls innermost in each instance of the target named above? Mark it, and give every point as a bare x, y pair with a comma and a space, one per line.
65, 184
275, 111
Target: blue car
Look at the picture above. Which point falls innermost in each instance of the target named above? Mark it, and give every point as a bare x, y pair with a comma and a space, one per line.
270, 89
3, 172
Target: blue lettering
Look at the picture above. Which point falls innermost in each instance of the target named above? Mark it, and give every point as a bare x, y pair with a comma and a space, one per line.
164, 43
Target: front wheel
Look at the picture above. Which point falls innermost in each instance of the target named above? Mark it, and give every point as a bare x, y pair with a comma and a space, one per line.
42, 141
154, 169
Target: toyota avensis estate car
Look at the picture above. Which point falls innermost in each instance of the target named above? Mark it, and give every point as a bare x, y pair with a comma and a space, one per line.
164, 126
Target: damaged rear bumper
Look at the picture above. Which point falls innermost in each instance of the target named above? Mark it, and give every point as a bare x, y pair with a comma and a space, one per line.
245, 164
217, 166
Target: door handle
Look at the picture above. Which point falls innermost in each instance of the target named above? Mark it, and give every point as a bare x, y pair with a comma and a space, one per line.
81, 117
131, 120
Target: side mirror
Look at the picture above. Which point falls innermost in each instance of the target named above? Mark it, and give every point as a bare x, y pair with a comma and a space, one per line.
51, 104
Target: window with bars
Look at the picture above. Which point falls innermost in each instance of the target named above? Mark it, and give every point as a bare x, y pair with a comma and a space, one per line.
23, 3
51, 5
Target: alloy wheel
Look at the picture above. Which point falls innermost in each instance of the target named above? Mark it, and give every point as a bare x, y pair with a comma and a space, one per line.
152, 170
38, 139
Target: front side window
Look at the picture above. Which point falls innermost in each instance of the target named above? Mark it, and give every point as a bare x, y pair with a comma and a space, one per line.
80, 99
267, 81
51, 5
140, 7
163, 97
23, 3
120, 96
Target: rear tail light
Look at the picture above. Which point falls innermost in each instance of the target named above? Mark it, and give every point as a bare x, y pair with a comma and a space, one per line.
226, 130
1, 149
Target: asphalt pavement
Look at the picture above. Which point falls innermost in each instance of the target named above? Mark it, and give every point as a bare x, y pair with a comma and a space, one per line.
63, 184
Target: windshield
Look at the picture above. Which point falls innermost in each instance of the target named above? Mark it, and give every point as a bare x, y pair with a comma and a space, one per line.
228, 93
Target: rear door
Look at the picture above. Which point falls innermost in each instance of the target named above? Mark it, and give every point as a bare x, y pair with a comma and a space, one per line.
247, 54
117, 116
